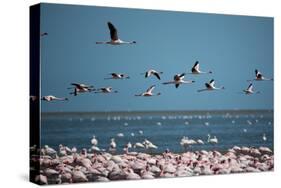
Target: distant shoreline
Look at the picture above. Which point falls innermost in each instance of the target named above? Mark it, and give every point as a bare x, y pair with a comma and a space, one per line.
187, 112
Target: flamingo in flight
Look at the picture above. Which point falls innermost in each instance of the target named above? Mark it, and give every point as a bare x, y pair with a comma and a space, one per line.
81, 88
106, 90
118, 76
148, 92
196, 69
210, 86
260, 77
53, 98
250, 90
178, 80
152, 72
114, 37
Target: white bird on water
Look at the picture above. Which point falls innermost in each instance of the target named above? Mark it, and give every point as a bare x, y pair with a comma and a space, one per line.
178, 80
152, 72
186, 142
53, 98
94, 141
211, 86
196, 69
112, 145
117, 76
114, 37
199, 141
250, 90
260, 77
120, 135
149, 145
264, 137
138, 145
148, 92
213, 140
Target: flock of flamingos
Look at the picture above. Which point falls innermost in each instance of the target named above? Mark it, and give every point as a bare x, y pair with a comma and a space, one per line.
177, 80
69, 166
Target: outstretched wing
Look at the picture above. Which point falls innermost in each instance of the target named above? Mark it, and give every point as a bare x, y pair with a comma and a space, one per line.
195, 67
179, 76
150, 89
212, 83
157, 75
76, 84
258, 74
114, 74
113, 31
250, 87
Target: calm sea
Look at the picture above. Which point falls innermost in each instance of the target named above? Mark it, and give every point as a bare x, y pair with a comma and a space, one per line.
164, 129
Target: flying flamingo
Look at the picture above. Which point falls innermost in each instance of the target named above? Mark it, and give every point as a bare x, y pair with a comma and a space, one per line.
178, 80
106, 90
114, 37
260, 77
196, 69
81, 88
148, 92
250, 90
210, 86
53, 98
152, 72
118, 76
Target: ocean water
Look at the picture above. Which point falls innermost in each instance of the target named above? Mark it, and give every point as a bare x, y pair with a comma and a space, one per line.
164, 129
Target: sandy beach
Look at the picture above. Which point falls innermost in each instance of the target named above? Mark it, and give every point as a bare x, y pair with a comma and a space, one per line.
71, 166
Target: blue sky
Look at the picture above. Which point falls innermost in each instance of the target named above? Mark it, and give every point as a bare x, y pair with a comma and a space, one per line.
231, 46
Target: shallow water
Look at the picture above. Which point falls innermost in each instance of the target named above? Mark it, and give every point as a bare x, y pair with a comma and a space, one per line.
163, 129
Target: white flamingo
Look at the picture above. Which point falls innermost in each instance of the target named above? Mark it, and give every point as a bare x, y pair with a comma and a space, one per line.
210, 86
250, 90
114, 37
199, 141
196, 69
264, 138
105, 90
127, 147
112, 145
138, 145
213, 140
94, 141
118, 76
178, 80
149, 145
53, 98
260, 77
152, 72
148, 92
80, 88
95, 148
186, 142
